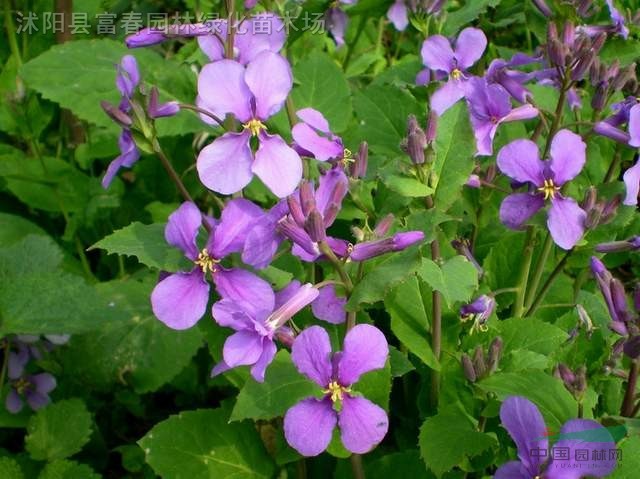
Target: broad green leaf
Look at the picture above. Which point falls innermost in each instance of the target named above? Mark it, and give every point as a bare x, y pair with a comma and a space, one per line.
382, 112
146, 243
399, 362
406, 464
427, 221
10, 468
466, 14
203, 443
548, 393
530, 334
283, 387
78, 75
406, 186
133, 346
447, 439
456, 279
623, 50
320, 84
376, 386
66, 469
59, 430
455, 146
629, 461
409, 320
13, 228
392, 270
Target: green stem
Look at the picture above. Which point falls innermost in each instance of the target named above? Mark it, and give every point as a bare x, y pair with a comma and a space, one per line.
518, 306
360, 28
326, 250
231, 29
539, 270
545, 288
566, 83
5, 364
171, 172
630, 393
301, 469
614, 165
11, 33
356, 466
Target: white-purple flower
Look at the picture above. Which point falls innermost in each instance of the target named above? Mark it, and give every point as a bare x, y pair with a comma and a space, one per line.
522, 419
309, 425
521, 161
257, 321
252, 94
314, 138
439, 56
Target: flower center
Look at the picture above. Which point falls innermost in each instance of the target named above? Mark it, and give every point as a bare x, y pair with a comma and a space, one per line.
206, 262
479, 322
336, 391
254, 126
549, 189
456, 74
21, 386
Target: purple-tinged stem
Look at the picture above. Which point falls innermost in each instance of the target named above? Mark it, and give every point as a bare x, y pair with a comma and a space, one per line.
518, 306
539, 270
202, 112
629, 396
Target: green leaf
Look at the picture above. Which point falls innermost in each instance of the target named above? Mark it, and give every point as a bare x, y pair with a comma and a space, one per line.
398, 464
10, 468
59, 430
466, 14
203, 443
409, 187
409, 321
623, 50
133, 346
321, 84
79, 74
382, 113
383, 276
629, 462
146, 243
456, 279
530, 334
283, 387
65, 469
455, 146
13, 228
548, 393
447, 439
376, 386
400, 364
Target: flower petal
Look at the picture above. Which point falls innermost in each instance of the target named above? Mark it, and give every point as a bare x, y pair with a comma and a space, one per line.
37, 400
568, 155
13, 403
263, 32
446, 96
311, 353
238, 217
241, 285
520, 160
522, 419
364, 349
517, 208
321, 147
329, 307
314, 119
182, 229
437, 54
308, 426
269, 79
261, 245
631, 180
524, 112
268, 353
363, 424
44, 382
277, 165
224, 166
212, 45
511, 470
232, 313
566, 222
484, 132
333, 186
180, 299
222, 89
634, 126
243, 348
470, 46
397, 14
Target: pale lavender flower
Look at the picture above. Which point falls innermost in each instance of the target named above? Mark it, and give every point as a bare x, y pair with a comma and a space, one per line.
398, 15
502, 72
263, 238
521, 161
309, 425
522, 419
152, 36
34, 389
257, 321
439, 56
157, 109
314, 138
336, 21
398, 242
330, 307
253, 94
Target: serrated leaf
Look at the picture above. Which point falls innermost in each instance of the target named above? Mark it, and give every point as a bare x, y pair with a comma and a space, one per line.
10, 468
629, 462
466, 14
409, 187
283, 387
66, 469
146, 243
59, 430
203, 443
456, 279
530, 334
446, 439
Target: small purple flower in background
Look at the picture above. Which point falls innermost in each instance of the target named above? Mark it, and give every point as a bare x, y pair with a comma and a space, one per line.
159, 110
479, 311
614, 297
521, 161
501, 72
253, 95
522, 419
309, 425
34, 389
330, 307
618, 24
437, 55
313, 137
631, 244
257, 321
336, 20
152, 36
397, 242
398, 15
489, 106
180, 299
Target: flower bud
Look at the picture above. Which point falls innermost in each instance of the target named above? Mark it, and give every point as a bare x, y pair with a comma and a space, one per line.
623, 77
467, 367
314, 226
631, 244
295, 210
398, 242
632, 347
543, 8
606, 129
495, 352
286, 336
416, 141
569, 33
590, 199
619, 299
636, 297
557, 53
474, 181
479, 363
581, 380
116, 114
359, 165
383, 226
583, 8
307, 197
145, 38
567, 376
600, 97
462, 246
299, 236
610, 209
330, 214
157, 110
432, 127
618, 347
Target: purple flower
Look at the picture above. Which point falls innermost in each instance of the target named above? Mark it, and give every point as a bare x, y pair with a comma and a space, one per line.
397, 242
631, 244
180, 299
330, 307
127, 79
521, 161
158, 110
479, 311
438, 55
618, 20
309, 425
627, 111
253, 95
398, 15
614, 296
263, 239
257, 321
313, 137
152, 36
501, 72
34, 389
336, 21
489, 106
522, 419
263, 32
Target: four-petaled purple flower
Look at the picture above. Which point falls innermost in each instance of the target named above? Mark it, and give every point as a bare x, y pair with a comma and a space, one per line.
253, 94
180, 299
313, 137
438, 55
479, 311
521, 161
257, 322
575, 453
34, 389
309, 425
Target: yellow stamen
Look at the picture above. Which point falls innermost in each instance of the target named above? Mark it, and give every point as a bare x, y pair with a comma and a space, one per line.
255, 126
336, 391
21, 385
206, 262
549, 189
456, 74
